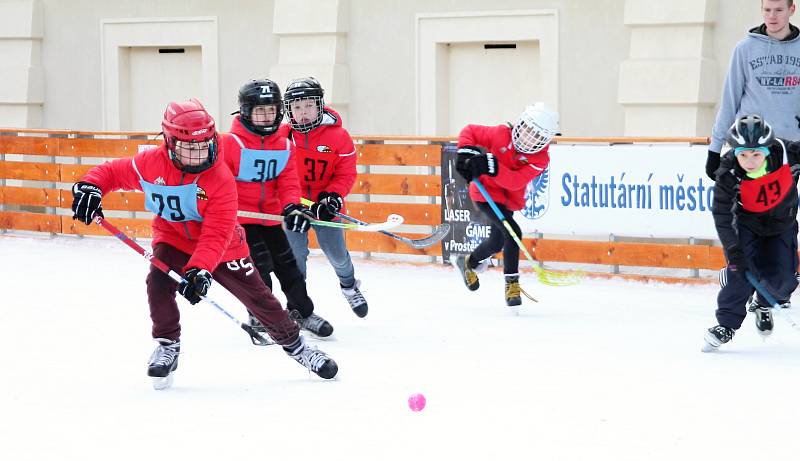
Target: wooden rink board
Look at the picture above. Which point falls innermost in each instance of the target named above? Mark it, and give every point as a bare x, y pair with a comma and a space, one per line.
374, 151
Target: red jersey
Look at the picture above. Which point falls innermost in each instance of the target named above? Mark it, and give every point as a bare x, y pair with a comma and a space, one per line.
325, 158
216, 238
515, 170
262, 196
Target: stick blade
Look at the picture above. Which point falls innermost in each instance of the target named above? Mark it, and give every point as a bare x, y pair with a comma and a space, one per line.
256, 337
392, 221
439, 232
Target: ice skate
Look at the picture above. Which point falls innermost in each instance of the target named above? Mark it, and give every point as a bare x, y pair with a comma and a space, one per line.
469, 276
513, 296
355, 299
763, 316
163, 363
717, 336
313, 359
313, 324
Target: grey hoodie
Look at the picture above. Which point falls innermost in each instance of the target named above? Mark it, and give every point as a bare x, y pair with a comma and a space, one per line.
763, 79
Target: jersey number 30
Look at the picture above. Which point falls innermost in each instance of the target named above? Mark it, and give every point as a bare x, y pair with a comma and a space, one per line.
265, 169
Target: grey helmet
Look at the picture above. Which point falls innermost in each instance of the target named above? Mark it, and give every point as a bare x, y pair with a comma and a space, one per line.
750, 131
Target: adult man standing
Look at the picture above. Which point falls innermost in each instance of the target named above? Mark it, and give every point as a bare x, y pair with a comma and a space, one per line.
763, 79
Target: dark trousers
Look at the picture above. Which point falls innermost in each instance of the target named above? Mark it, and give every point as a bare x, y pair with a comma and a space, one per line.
238, 276
773, 260
499, 239
271, 252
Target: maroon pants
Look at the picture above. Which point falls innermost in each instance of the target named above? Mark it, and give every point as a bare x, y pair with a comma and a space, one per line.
240, 277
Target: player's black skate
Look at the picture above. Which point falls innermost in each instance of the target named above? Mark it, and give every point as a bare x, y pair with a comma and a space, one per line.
468, 275
313, 323
717, 336
763, 316
356, 299
163, 362
513, 297
312, 358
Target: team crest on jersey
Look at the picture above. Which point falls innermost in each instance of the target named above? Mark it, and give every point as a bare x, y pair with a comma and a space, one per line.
201, 194
160, 181
324, 149
537, 196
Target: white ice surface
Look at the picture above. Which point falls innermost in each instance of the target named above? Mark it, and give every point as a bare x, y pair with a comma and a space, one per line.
606, 370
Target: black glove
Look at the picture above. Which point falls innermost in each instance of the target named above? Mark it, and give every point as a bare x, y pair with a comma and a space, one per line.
793, 156
795, 169
195, 284
86, 199
737, 261
463, 154
712, 164
482, 164
296, 217
328, 204
475, 165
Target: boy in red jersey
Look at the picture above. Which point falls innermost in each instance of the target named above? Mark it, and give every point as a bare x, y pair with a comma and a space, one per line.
259, 155
194, 199
326, 165
505, 158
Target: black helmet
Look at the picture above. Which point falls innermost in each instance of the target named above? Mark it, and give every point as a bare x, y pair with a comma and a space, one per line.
304, 88
261, 92
750, 131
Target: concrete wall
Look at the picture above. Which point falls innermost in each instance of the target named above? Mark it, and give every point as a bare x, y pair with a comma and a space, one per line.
22, 76
367, 55
72, 52
592, 43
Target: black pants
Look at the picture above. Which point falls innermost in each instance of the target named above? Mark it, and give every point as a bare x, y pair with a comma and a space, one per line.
773, 260
499, 239
271, 252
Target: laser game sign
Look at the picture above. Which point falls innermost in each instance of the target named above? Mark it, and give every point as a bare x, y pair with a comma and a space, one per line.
467, 223
656, 191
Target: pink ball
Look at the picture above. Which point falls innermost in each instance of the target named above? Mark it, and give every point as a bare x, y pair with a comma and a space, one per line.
416, 402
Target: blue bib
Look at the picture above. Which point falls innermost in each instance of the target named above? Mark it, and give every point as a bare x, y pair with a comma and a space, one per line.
257, 165
173, 203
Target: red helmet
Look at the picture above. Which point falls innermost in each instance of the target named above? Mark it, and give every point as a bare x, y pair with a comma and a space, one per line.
188, 122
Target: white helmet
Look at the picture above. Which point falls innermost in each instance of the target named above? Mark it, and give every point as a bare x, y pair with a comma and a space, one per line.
534, 128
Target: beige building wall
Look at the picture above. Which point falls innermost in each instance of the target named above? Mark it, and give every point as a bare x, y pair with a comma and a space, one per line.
21, 71
72, 53
61, 70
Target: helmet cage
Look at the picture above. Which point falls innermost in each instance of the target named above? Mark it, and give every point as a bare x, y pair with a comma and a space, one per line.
260, 93
534, 129
193, 156
300, 90
188, 123
310, 125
